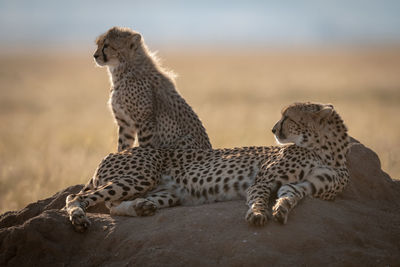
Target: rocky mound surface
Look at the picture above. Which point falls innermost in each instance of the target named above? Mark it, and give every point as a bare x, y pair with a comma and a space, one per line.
360, 228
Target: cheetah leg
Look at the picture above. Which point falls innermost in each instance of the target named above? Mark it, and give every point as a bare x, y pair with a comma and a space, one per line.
147, 136
114, 191
133, 208
89, 186
289, 195
147, 206
126, 137
324, 183
257, 199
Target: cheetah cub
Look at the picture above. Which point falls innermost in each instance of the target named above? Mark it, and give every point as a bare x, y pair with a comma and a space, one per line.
311, 162
144, 100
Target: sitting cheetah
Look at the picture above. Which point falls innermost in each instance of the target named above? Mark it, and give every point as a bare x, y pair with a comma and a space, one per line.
311, 162
143, 98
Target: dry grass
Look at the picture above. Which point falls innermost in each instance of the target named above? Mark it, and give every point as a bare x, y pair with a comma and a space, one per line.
56, 126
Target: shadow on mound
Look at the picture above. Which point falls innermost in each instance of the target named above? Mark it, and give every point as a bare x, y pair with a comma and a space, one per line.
368, 181
361, 227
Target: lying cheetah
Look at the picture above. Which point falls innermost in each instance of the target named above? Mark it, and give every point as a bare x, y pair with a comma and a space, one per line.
138, 181
143, 98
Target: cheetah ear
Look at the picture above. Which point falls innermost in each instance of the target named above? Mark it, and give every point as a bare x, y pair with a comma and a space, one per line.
135, 41
325, 112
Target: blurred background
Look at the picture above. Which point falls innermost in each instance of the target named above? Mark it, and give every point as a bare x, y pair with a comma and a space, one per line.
238, 64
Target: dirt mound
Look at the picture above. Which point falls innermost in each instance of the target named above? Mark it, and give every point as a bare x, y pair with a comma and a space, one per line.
360, 228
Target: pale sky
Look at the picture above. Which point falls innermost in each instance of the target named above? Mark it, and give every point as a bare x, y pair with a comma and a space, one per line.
236, 23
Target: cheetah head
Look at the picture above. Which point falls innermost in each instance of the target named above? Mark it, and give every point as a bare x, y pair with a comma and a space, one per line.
304, 124
117, 45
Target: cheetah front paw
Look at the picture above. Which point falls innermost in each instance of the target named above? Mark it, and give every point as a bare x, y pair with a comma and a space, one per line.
257, 216
79, 220
144, 207
281, 209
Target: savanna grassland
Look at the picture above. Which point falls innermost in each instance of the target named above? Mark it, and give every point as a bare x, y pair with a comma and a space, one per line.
55, 125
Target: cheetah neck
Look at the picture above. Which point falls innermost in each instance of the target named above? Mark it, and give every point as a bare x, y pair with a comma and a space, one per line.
138, 68
333, 144
143, 67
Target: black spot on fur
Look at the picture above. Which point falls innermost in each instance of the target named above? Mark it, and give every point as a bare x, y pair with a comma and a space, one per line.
301, 175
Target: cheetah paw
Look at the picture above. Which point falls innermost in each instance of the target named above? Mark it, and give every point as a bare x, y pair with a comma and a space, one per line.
144, 207
79, 220
281, 210
256, 218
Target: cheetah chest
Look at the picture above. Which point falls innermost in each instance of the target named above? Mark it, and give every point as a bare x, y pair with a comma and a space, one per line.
120, 110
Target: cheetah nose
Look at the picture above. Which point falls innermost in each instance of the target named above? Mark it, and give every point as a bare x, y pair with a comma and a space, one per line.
273, 130
95, 56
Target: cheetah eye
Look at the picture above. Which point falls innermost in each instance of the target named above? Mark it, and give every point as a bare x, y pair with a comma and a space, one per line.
109, 46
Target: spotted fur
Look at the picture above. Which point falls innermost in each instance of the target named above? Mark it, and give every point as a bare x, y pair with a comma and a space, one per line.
311, 162
147, 107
